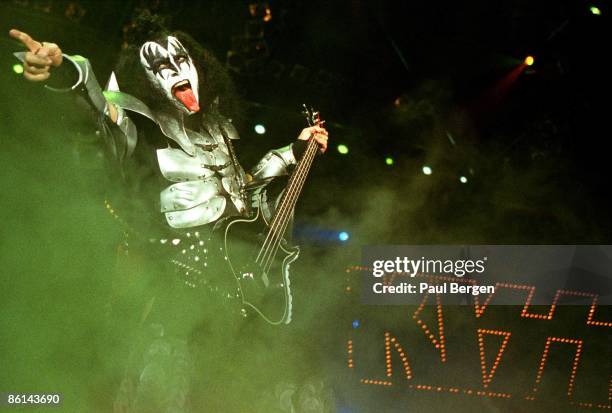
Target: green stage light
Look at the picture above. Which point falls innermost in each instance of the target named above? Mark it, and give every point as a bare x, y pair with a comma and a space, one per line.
427, 170
343, 149
595, 10
17, 68
463, 179
389, 160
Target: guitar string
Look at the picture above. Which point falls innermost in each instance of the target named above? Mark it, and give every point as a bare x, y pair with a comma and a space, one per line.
276, 218
284, 209
283, 224
274, 222
285, 205
286, 214
279, 226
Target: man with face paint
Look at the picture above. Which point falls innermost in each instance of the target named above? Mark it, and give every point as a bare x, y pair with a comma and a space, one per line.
173, 70
160, 118
200, 164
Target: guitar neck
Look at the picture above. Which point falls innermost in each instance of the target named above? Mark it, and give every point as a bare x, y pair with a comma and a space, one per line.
295, 185
303, 167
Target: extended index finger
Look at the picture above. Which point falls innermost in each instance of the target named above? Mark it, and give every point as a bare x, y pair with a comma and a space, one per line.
26, 39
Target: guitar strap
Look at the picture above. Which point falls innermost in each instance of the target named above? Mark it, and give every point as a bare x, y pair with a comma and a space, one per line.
239, 173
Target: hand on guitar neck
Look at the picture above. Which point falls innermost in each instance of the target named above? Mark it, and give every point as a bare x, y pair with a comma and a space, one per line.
316, 131
318, 134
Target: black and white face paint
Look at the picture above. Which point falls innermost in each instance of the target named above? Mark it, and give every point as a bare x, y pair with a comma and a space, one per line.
172, 70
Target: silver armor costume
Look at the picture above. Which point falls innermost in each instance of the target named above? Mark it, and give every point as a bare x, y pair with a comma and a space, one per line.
204, 178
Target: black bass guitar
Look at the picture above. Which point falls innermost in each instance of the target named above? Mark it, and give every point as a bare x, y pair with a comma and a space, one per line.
260, 259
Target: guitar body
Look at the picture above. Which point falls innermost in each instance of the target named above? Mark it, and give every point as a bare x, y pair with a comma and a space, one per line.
266, 290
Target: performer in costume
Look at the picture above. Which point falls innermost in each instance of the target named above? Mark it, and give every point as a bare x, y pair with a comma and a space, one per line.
162, 123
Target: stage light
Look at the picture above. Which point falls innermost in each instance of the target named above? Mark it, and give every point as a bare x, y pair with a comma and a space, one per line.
343, 236
355, 323
427, 170
17, 68
463, 179
529, 60
389, 160
260, 129
595, 10
343, 149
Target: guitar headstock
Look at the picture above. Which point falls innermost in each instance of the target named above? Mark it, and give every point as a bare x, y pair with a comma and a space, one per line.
313, 118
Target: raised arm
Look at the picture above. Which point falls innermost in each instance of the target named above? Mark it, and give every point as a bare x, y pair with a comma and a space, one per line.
38, 61
40, 57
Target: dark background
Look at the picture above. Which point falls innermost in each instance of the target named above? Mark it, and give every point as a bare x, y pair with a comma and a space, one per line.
424, 83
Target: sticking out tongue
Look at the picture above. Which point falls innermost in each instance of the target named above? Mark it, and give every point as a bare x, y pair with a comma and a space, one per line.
185, 95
